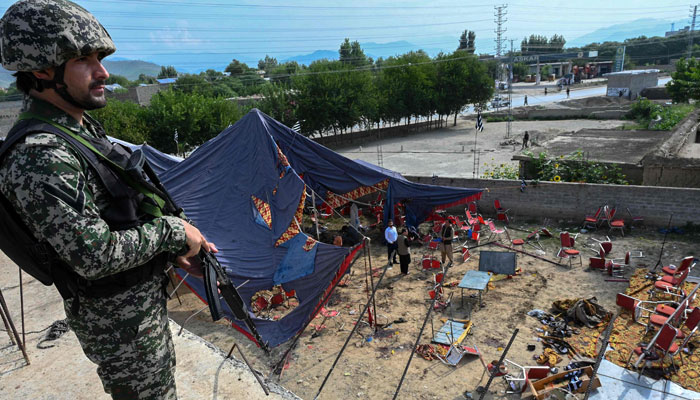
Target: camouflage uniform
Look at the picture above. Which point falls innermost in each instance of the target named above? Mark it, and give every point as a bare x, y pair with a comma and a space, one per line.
60, 199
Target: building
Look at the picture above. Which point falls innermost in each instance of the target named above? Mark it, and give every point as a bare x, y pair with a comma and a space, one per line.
631, 83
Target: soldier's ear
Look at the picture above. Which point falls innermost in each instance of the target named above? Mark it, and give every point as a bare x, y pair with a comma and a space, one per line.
45, 74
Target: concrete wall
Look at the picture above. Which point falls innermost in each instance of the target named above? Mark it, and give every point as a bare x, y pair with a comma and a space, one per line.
634, 83
359, 138
572, 201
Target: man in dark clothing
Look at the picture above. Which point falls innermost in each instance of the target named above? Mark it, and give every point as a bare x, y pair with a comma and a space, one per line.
526, 138
447, 234
567, 92
404, 250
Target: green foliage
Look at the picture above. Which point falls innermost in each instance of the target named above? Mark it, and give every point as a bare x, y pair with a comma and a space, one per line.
538, 44
351, 53
197, 119
236, 68
545, 70
123, 120
574, 168
121, 80
521, 70
466, 42
278, 102
658, 117
267, 64
685, 84
167, 72
149, 80
502, 171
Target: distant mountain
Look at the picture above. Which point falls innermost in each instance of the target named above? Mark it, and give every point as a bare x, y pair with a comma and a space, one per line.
131, 69
642, 27
374, 50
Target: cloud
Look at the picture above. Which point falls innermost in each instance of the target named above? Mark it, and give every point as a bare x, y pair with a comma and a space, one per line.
175, 38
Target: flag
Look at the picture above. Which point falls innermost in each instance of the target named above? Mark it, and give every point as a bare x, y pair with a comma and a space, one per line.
479, 121
297, 126
175, 138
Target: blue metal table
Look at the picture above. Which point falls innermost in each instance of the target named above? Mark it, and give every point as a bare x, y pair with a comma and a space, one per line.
475, 280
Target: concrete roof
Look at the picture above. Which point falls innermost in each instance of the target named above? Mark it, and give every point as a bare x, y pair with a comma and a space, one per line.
634, 72
618, 146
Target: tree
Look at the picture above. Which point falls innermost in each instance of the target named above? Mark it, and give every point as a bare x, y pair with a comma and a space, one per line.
167, 72
143, 78
267, 64
121, 80
460, 81
236, 68
124, 120
351, 53
521, 70
466, 42
283, 72
685, 82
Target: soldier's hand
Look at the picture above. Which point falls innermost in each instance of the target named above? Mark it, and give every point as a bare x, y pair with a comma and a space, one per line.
195, 242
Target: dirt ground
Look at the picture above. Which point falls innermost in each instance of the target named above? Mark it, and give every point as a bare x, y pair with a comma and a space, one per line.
372, 368
449, 151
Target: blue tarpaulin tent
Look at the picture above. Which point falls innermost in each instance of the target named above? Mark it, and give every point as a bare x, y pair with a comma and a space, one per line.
328, 173
242, 194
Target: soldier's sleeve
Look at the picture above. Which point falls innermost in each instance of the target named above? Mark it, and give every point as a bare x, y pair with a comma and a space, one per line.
52, 195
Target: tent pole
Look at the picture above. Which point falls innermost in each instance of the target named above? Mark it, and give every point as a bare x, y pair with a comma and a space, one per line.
373, 324
425, 321
352, 333
277, 368
313, 204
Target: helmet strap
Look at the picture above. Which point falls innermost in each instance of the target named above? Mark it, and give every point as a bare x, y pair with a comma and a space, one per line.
63, 90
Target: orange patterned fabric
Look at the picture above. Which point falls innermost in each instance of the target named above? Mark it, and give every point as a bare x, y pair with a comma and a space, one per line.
282, 157
627, 334
336, 201
310, 243
264, 210
293, 228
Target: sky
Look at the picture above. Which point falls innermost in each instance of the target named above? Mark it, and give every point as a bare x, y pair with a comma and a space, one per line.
200, 34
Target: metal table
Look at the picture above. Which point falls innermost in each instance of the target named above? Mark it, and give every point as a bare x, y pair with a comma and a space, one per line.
475, 280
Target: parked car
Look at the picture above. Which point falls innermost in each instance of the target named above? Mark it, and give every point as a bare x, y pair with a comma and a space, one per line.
499, 102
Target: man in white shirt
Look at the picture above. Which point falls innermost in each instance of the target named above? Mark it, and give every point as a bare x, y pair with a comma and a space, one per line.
390, 235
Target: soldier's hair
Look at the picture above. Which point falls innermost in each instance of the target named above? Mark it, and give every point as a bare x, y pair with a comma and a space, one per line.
27, 81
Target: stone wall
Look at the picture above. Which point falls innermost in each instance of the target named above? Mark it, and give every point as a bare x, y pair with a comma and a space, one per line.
572, 201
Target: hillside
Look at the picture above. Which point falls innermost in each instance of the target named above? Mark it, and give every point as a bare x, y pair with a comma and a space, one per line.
131, 69
642, 27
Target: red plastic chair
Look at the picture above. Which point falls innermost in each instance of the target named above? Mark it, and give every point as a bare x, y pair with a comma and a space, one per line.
599, 262
664, 342
465, 254
615, 223
514, 242
672, 269
567, 251
672, 286
471, 220
494, 232
616, 268
501, 213
591, 221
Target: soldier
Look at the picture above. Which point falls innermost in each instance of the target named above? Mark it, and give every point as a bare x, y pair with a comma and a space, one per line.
109, 255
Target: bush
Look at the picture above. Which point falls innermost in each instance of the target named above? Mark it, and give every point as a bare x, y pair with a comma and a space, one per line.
657, 117
502, 171
573, 168
123, 120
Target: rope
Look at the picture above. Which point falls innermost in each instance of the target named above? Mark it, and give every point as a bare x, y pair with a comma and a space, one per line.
330, 371
56, 330
425, 322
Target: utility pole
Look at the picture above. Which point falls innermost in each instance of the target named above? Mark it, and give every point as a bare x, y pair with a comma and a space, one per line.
500, 14
691, 32
510, 91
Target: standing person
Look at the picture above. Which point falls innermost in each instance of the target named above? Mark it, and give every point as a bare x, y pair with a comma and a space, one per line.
525, 99
108, 257
446, 234
526, 138
567, 91
404, 250
545, 91
391, 236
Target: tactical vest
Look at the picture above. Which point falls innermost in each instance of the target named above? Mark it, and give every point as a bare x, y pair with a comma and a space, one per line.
133, 201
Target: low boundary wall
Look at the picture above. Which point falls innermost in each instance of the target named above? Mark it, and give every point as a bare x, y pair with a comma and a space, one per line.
572, 201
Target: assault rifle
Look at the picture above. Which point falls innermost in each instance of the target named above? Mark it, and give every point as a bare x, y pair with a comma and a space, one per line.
215, 278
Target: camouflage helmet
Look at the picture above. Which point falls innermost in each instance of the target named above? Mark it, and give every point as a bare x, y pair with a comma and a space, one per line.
38, 34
